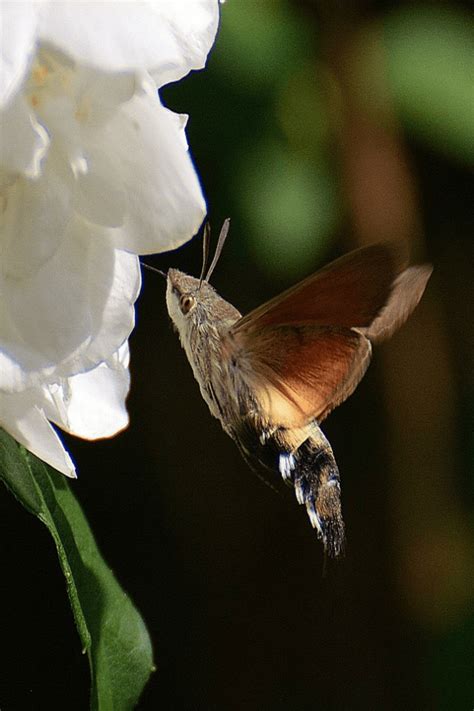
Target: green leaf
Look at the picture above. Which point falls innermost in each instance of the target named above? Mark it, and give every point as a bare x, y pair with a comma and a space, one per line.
111, 630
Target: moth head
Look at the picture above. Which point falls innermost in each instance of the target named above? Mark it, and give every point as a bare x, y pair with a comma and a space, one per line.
189, 300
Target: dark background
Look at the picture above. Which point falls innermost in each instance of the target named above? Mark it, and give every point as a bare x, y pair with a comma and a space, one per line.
317, 127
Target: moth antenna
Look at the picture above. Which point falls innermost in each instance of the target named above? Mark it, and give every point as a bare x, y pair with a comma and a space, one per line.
220, 244
206, 239
153, 269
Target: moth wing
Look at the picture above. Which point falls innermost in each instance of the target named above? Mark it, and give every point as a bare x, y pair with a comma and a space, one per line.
305, 351
300, 373
407, 291
350, 292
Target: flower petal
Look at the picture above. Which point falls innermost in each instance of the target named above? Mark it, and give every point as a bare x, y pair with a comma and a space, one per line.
35, 218
194, 26
23, 142
165, 202
19, 23
27, 423
72, 314
69, 99
92, 405
167, 37
100, 196
112, 295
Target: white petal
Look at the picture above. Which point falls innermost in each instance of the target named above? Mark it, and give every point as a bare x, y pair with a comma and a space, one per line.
98, 94
12, 376
36, 214
100, 196
194, 26
23, 142
27, 423
92, 405
18, 23
165, 202
72, 314
168, 38
112, 295
70, 99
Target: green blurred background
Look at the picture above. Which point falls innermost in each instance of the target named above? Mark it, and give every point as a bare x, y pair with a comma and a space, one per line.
317, 127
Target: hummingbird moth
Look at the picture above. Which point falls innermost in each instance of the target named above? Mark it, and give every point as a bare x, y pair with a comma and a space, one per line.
271, 377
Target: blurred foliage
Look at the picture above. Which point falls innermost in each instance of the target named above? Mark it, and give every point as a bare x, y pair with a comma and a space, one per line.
283, 184
264, 42
430, 58
291, 206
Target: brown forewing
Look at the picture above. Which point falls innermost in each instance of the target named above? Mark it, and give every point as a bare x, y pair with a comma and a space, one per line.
350, 292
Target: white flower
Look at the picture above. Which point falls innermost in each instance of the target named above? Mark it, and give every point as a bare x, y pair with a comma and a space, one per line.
94, 170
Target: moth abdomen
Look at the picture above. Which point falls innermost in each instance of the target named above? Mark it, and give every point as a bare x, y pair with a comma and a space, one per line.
316, 479
310, 468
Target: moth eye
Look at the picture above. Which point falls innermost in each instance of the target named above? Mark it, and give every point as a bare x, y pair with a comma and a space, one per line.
186, 303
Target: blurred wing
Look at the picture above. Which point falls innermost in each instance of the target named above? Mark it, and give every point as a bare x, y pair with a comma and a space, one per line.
407, 291
350, 291
300, 373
